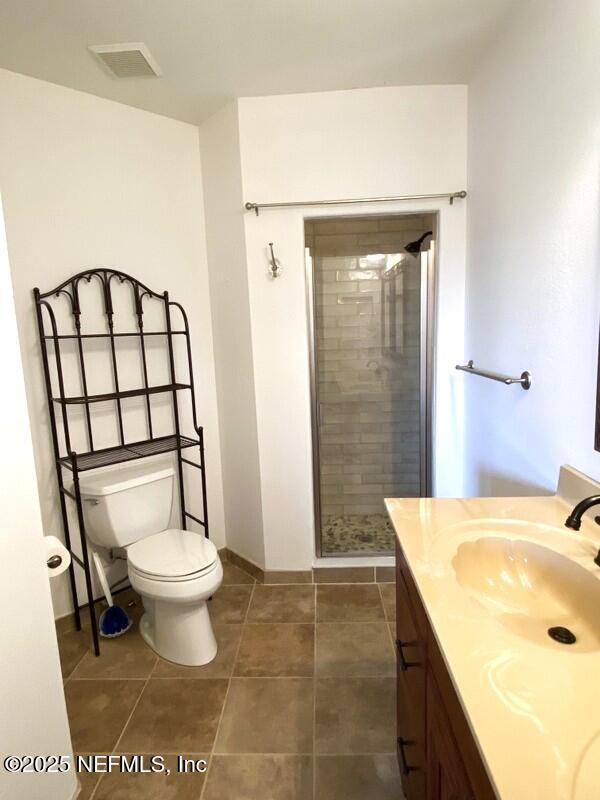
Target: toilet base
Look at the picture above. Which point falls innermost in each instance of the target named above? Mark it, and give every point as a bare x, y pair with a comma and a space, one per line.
179, 633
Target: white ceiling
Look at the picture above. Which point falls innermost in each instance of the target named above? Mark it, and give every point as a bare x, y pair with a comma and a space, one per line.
211, 51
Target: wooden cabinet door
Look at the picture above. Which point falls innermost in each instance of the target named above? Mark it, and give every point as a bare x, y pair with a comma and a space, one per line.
446, 774
411, 694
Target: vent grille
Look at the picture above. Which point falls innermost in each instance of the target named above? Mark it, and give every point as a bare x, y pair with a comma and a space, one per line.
132, 60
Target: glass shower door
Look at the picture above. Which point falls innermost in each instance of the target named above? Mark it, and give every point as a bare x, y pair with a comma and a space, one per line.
369, 379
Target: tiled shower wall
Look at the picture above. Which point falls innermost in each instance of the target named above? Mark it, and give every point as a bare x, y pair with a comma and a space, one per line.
369, 398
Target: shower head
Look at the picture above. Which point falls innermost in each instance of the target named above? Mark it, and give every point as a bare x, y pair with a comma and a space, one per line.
415, 247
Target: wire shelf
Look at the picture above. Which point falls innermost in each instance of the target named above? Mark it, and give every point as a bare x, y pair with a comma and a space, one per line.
128, 452
101, 398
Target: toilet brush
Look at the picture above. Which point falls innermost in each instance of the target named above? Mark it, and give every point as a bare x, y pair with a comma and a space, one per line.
114, 620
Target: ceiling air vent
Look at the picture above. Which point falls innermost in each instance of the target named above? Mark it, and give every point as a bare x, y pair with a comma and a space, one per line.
131, 60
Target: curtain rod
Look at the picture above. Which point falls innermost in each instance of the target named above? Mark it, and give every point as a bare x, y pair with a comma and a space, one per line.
452, 196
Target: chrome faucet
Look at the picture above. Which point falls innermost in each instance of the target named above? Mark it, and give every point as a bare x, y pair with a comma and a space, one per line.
573, 521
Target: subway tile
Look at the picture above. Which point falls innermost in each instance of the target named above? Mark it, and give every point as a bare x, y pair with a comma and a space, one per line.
363, 489
339, 287
350, 225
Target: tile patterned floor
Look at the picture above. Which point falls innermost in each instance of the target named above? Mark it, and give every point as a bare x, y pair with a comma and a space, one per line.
357, 533
298, 705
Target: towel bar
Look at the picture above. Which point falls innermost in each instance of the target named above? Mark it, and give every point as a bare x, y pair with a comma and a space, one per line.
524, 380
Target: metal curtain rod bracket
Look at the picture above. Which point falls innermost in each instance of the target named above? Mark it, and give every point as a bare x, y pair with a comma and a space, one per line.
524, 380
451, 196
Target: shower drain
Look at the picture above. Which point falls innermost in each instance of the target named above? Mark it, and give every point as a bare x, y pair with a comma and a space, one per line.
562, 635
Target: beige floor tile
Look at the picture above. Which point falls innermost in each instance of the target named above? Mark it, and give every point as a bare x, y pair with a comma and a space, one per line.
289, 576
258, 777
349, 603
229, 605
354, 649
374, 777
267, 715
87, 783
385, 574
72, 647
234, 576
344, 574
228, 639
175, 715
126, 656
147, 786
278, 650
282, 604
98, 710
388, 598
355, 715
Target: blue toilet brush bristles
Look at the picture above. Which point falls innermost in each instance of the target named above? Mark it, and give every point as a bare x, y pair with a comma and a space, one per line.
114, 621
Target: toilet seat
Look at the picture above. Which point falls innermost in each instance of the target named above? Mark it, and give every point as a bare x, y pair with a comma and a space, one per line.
173, 556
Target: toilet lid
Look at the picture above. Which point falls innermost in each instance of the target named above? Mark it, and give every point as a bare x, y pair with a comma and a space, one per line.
172, 554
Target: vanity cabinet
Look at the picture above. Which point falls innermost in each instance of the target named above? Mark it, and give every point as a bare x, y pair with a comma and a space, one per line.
446, 772
437, 755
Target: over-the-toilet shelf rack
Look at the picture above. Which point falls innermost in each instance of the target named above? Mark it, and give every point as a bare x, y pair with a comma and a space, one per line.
93, 458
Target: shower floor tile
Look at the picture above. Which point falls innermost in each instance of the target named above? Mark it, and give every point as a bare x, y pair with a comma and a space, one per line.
357, 533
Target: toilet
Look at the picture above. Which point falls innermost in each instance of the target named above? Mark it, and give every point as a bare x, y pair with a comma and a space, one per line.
174, 571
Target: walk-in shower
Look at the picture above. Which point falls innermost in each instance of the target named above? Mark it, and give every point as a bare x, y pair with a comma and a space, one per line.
370, 300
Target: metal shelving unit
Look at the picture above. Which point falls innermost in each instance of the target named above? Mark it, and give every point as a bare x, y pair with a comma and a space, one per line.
60, 404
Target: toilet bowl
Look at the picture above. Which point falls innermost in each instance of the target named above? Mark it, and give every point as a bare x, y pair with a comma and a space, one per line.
174, 571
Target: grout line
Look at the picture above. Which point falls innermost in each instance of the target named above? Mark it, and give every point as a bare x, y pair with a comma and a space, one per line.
313, 583
70, 675
391, 625
95, 789
235, 658
136, 704
314, 736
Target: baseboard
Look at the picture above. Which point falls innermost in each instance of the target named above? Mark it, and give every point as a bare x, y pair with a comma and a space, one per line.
333, 574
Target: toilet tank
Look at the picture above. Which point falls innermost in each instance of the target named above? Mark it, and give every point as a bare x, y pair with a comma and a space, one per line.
122, 506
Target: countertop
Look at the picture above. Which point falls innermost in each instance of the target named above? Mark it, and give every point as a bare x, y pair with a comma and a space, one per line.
533, 704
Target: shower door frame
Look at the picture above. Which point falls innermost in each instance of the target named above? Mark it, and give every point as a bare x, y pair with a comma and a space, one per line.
426, 366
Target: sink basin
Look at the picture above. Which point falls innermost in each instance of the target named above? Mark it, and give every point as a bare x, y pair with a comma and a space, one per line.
530, 588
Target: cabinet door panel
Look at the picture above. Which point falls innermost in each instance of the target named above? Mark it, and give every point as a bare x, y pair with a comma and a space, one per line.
411, 744
446, 773
411, 694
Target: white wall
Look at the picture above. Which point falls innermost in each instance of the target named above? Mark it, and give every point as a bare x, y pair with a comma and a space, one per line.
360, 143
226, 247
88, 182
33, 718
533, 248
